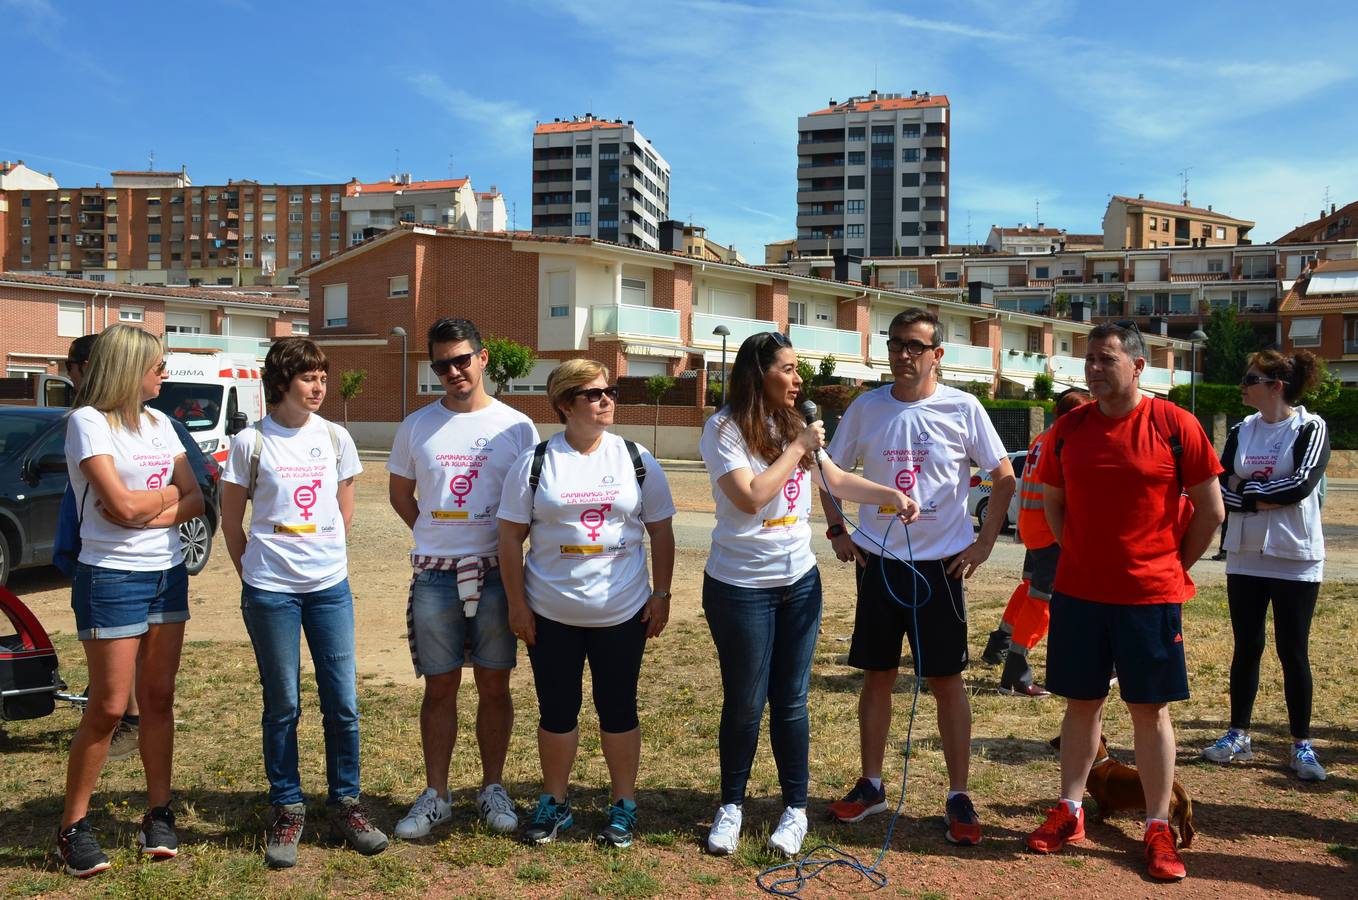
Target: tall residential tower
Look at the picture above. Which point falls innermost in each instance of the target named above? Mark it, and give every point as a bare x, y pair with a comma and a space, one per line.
872, 176
601, 179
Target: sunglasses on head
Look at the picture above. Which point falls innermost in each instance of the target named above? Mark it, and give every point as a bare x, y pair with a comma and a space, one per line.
444, 366
777, 338
1257, 379
1127, 324
594, 395
913, 347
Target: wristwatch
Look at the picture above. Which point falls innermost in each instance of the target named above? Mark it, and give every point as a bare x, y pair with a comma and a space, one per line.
834, 530
661, 595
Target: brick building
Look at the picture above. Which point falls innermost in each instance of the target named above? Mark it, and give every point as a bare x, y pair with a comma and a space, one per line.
1336, 225
1135, 222
641, 312
1320, 314
41, 315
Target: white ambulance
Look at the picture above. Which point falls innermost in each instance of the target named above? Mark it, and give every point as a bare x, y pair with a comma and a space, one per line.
214, 394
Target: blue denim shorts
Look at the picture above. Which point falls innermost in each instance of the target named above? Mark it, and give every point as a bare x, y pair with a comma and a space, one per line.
116, 603
440, 630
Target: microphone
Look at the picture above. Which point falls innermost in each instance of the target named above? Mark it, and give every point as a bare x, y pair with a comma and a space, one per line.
808, 410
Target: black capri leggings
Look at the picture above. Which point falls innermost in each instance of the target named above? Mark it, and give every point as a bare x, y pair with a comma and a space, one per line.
614, 655
1294, 602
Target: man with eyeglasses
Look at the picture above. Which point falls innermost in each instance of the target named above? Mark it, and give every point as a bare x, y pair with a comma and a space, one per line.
920, 436
447, 468
1114, 475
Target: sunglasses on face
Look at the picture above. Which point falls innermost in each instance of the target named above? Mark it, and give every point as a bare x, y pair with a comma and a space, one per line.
594, 395
1257, 379
444, 366
158, 367
911, 347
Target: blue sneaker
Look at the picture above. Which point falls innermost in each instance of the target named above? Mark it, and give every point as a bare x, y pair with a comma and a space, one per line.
1230, 746
549, 820
622, 825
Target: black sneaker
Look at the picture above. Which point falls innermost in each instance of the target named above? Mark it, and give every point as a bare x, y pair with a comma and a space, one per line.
549, 820
997, 648
157, 837
80, 853
622, 825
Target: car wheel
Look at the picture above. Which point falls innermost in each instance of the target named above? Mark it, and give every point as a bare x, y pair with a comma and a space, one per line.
196, 538
981, 511
4, 559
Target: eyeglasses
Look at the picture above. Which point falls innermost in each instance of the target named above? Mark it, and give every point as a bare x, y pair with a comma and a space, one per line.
777, 338
912, 347
1257, 379
594, 395
1128, 324
159, 367
444, 366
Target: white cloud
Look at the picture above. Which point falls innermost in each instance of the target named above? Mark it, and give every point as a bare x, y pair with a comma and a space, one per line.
1278, 192
505, 123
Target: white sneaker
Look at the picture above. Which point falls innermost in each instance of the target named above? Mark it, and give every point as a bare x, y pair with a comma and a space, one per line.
790, 833
1230, 746
725, 833
1305, 764
497, 810
429, 810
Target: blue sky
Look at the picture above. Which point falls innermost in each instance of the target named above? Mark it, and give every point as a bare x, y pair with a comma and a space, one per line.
1062, 103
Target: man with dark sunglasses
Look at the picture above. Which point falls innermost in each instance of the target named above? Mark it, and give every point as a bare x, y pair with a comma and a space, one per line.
447, 468
918, 435
1114, 473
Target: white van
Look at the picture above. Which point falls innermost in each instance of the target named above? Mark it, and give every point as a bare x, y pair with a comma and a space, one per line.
214, 394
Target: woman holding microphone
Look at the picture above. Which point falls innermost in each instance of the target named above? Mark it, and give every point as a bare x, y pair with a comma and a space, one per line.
761, 587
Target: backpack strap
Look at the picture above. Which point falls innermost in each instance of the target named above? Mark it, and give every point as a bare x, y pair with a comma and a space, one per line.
1078, 414
638, 467
1161, 420
255, 451
535, 470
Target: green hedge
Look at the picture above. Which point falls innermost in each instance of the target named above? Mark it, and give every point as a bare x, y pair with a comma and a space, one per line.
1046, 405
1339, 409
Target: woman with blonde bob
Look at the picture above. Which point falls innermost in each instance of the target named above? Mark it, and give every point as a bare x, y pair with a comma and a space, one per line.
585, 500
133, 487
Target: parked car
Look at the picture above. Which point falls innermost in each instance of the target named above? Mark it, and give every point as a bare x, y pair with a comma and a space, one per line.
33, 480
978, 495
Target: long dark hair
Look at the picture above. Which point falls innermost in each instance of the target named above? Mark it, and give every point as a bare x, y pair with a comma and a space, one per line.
745, 400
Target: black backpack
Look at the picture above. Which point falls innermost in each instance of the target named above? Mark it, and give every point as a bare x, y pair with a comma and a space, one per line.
540, 455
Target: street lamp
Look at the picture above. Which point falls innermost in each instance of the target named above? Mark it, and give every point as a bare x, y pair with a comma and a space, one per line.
724, 332
1195, 338
400, 332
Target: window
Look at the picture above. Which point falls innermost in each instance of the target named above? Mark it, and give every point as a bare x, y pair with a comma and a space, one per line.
1214, 265
909, 229
315, 237
429, 382
634, 291
1043, 272
853, 231
856, 157
855, 182
294, 217
26, 222
583, 197
267, 198
854, 206
560, 312
131, 314
1164, 224
315, 215
582, 173
857, 134
796, 312
315, 255
153, 238
249, 255
266, 217
336, 305
583, 151
294, 256
398, 286
1207, 231
1221, 232
70, 318
883, 134
910, 154
335, 236
1154, 223
294, 198
909, 204
1305, 332
910, 130
315, 197
582, 218
909, 179
301, 326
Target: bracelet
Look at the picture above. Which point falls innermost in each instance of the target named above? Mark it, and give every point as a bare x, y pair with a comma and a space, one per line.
661, 595
835, 530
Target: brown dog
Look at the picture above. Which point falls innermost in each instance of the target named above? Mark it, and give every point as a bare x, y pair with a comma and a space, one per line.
1117, 788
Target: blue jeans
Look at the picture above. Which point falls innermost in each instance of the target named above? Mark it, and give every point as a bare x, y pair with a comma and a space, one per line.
766, 639
275, 622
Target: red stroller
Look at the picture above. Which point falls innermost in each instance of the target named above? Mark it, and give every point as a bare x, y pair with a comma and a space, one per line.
30, 685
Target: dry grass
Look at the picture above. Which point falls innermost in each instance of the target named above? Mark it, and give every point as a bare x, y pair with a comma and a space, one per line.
1251, 818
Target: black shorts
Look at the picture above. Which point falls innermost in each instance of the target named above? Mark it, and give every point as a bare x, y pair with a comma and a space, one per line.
880, 622
1039, 567
1145, 642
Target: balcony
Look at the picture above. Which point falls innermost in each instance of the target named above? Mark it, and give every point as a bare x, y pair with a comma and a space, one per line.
253, 346
626, 320
805, 148
967, 356
933, 215
934, 165
933, 190
1156, 377
813, 339
703, 323
935, 140
813, 195
1021, 361
1066, 368
1183, 376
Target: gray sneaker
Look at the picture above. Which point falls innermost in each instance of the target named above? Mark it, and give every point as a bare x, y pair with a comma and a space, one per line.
280, 849
1305, 764
1233, 745
125, 740
349, 820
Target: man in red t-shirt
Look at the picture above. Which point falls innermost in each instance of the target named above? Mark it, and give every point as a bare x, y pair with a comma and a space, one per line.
1114, 473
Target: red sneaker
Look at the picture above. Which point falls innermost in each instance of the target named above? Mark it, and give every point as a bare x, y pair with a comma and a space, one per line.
964, 828
863, 801
1162, 859
1062, 827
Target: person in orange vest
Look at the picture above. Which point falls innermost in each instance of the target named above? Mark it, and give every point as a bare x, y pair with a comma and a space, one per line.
1025, 618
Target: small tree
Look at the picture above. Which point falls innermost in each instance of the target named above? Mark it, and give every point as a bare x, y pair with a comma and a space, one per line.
351, 385
1042, 386
1229, 342
1060, 305
508, 360
980, 389
825, 372
656, 387
805, 372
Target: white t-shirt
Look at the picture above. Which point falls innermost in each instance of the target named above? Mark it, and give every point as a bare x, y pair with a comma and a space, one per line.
771, 548
458, 462
144, 460
297, 541
586, 561
925, 450
1265, 451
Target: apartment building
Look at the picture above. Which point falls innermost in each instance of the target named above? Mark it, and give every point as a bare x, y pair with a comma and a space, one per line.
1135, 222
692, 240
1024, 238
490, 211
642, 313
370, 209
1320, 314
873, 175
1336, 225
15, 176
601, 179
40, 315
160, 228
